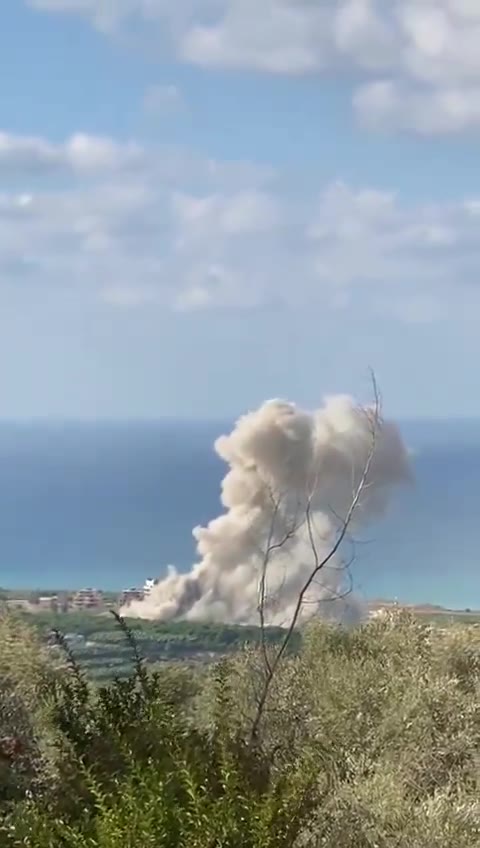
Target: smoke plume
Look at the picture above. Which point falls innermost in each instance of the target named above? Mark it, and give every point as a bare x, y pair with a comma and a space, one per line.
285, 464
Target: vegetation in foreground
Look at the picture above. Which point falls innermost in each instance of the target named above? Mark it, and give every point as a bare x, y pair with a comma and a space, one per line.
368, 738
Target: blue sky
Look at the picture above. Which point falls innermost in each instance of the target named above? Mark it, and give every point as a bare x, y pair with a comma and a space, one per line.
205, 206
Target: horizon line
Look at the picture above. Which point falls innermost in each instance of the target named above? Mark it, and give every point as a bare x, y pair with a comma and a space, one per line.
184, 419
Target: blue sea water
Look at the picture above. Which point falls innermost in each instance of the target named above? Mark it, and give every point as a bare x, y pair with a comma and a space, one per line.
108, 505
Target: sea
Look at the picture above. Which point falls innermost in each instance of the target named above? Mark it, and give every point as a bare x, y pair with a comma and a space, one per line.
109, 504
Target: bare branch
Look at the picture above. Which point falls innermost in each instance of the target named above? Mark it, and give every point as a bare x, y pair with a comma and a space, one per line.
270, 549
373, 415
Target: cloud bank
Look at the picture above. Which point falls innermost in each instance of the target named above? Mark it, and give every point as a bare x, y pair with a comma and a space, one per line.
414, 64
133, 226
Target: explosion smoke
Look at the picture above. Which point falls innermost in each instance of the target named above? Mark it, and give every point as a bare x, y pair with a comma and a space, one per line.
284, 464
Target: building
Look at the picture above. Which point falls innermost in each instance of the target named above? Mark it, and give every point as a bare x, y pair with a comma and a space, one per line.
128, 595
148, 586
48, 603
87, 599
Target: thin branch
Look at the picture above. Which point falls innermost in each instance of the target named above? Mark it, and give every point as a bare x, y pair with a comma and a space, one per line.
263, 580
271, 547
319, 564
138, 662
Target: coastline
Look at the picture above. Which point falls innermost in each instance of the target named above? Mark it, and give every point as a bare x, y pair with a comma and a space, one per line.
28, 600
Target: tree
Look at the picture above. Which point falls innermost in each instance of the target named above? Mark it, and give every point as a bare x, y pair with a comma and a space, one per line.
303, 518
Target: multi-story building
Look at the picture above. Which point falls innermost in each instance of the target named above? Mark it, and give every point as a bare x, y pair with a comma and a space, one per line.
87, 599
129, 595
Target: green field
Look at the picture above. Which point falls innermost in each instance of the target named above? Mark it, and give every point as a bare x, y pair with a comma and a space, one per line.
99, 645
100, 648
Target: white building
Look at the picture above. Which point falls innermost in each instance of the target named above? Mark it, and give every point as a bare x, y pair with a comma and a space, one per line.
149, 585
48, 602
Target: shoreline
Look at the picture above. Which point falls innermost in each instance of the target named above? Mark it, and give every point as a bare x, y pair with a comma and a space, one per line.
32, 595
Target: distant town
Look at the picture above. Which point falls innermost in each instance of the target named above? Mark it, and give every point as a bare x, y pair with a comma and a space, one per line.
100, 648
97, 601
83, 600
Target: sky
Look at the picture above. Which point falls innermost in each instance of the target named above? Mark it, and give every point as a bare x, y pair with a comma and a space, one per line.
207, 203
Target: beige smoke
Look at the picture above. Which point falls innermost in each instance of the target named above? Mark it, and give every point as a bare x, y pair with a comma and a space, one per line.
280, 460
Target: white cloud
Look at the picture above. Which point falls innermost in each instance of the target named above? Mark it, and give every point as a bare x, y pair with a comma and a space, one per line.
390, 106
215, 286
207, 235
89, 153
415, 63
402, 258
211, 216
273, 36
162, 99
79, 153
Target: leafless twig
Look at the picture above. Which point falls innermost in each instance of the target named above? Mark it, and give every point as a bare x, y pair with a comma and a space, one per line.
270, 549
271, 667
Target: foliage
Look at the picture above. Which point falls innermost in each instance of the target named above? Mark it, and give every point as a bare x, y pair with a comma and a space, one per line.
27, 736
101, 650
370, 738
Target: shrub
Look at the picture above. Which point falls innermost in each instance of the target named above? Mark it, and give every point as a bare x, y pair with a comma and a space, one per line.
27, 735
369, 738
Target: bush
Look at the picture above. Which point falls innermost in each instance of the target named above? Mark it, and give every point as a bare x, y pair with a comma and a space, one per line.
369, 738
27, 735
